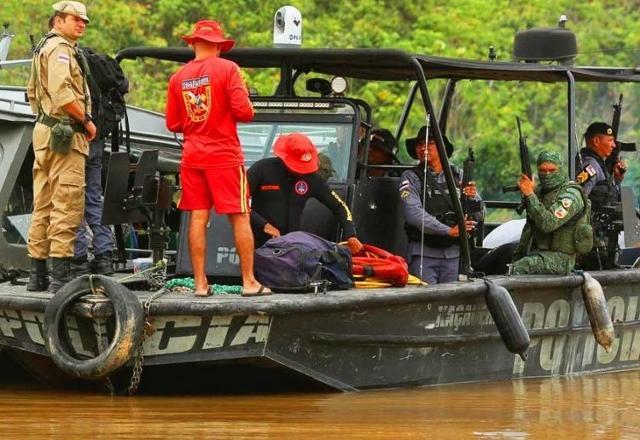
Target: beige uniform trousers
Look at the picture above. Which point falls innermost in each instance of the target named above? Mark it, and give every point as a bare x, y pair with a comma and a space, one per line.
58, 199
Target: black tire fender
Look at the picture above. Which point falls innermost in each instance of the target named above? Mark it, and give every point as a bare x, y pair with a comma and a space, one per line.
129, 319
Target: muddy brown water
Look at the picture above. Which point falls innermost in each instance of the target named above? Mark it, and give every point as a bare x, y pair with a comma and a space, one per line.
605, 406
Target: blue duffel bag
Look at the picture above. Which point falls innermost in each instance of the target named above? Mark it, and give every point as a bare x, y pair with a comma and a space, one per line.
303, 262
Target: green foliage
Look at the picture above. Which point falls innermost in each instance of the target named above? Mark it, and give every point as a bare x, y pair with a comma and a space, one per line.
483, 115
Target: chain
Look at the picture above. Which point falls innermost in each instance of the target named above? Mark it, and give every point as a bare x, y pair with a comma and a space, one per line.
138, 362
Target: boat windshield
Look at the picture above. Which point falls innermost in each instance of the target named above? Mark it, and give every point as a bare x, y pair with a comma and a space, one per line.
332, 139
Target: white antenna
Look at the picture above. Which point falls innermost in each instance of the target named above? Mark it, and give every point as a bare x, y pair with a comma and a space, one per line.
287, 27
424, 192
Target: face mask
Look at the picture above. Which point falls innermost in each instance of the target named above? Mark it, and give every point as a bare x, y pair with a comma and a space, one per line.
551, 180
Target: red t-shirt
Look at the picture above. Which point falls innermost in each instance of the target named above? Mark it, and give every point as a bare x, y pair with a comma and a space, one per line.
205, 99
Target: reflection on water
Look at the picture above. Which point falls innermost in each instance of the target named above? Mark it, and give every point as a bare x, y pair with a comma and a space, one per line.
599, 406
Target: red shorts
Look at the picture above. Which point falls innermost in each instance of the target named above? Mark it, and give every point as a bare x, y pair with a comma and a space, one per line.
225, 189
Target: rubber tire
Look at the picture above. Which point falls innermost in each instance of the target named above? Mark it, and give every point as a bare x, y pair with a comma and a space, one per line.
129, 319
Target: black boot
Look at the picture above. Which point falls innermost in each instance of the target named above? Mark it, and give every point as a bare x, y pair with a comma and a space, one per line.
102, 264
39, 277
60, 273
80, 266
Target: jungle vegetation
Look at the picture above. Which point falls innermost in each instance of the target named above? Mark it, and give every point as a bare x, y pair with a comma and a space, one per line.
483, 114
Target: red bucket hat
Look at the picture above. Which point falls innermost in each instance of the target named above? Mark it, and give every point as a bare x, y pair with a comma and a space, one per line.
297, 152
211, 31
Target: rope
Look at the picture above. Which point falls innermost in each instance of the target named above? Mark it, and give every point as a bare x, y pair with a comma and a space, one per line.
159, 265
189, 284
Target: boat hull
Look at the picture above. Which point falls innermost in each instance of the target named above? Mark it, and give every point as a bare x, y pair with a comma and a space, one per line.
356, 340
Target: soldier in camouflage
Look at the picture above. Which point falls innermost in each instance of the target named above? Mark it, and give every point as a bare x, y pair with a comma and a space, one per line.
558, 226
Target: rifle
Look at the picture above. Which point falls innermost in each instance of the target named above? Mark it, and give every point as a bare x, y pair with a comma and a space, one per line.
469, 206
467, 176
525, 165
614, 158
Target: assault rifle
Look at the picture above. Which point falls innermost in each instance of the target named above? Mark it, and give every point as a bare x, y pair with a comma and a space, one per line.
614, 158
469, 206
525, 165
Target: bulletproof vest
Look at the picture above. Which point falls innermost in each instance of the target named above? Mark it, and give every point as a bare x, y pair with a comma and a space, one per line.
604, 192
565, 239
437, 203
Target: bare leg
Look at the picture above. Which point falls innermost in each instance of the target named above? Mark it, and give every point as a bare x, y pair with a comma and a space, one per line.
198, 247
244, 245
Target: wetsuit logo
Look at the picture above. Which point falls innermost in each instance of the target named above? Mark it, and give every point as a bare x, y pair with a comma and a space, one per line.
196, 94
301, 187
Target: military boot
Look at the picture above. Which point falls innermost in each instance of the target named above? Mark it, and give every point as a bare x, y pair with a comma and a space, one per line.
60, 273
102, 264
80, 266
39, 277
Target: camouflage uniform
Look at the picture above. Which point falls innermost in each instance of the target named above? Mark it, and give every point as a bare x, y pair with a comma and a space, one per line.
554, 212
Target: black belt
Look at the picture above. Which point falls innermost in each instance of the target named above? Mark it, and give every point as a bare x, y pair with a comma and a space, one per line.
50, 121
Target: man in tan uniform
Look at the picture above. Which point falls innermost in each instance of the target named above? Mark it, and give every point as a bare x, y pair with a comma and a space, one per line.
58, 94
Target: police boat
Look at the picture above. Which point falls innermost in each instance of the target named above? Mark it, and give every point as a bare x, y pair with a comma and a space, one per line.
130, 331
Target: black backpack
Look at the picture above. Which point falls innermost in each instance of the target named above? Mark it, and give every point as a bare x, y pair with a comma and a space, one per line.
303, 262
107, 85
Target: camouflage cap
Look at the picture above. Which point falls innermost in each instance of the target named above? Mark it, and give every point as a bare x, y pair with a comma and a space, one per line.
550, 156
597, 128
73, 8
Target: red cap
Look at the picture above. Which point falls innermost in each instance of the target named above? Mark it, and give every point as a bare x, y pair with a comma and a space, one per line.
297, 152
211, 31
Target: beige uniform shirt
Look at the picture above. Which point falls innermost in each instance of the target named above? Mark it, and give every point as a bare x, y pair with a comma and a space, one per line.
60, 82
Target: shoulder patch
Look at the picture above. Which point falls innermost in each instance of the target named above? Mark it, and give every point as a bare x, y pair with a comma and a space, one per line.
560, 212
566, 202
404, 194
586, 174
63, 58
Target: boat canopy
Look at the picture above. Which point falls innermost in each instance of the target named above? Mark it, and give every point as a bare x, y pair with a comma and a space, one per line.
392, 65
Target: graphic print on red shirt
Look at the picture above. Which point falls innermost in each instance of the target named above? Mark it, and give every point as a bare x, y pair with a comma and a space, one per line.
196, 94
206, 98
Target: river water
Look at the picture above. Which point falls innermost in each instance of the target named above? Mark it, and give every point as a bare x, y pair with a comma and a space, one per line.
602, 406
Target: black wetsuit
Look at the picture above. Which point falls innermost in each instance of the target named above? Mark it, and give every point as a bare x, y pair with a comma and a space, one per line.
278, 197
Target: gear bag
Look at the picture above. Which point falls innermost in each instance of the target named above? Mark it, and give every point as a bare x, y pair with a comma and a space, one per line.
301, 262
61, 137
107, 85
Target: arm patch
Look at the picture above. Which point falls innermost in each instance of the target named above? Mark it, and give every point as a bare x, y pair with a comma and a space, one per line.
586, 174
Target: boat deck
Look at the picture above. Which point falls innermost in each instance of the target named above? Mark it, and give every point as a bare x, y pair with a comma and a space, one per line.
171, 303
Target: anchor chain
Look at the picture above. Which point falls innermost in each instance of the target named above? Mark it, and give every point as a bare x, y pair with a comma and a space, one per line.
138, 363
157, 277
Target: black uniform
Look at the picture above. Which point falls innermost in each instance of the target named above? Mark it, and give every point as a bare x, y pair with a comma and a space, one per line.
279, 196
606, 211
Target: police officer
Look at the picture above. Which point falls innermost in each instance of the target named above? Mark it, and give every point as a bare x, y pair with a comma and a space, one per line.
439, 259
280, 187
557, 227
602, 187
382, 148
100, 237
58, 93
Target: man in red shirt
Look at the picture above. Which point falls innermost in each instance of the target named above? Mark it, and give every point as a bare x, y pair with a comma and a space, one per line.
205, 99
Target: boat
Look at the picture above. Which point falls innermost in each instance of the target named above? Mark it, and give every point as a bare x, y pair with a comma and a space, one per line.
356, 339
